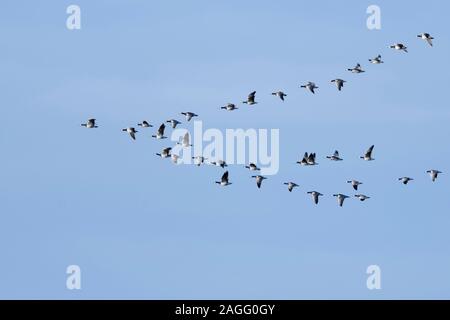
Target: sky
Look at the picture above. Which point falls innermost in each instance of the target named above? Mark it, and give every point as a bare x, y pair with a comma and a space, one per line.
140, 227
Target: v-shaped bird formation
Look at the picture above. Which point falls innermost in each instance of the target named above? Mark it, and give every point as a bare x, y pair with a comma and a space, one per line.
308, 159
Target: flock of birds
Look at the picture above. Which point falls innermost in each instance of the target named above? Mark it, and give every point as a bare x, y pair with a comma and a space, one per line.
309, 159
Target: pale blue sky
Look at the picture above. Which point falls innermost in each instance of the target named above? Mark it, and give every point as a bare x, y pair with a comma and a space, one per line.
140, 227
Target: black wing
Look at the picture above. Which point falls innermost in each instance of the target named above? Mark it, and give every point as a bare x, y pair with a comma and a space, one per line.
161, 129
225, 177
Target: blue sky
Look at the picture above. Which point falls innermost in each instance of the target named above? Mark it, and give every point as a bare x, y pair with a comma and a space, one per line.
141, 228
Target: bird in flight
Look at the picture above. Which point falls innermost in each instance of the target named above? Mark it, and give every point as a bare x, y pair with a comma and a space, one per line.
252, 167
315, 195
224, 180
340, 198
219, 163
356, 69
160, 132
311, 86
376, 60
279, 94
368, 155
132, 131
189, 115
144, 124
308, 160
251, 99
405, 180
165, 153
259, 180
185, 141
399, 47
335, 156
433, 174
362, 197
427, 37
354, 183
199, 160
173, 123
174, 158
229, 107
89, 124
339, 83
291, 185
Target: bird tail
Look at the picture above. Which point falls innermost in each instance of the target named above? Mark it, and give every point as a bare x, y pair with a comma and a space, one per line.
84, 125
